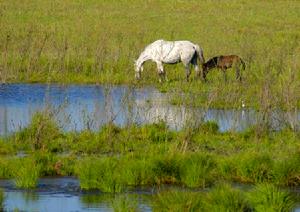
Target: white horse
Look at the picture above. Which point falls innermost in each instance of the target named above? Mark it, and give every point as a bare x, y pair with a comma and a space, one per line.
170, 52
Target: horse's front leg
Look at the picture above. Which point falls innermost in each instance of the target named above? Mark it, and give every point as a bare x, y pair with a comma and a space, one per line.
160, 71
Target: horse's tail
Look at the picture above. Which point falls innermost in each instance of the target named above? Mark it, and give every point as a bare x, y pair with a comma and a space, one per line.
200, 54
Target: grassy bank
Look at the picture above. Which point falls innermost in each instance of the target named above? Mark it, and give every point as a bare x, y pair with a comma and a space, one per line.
96, 42
264, 197
114, 159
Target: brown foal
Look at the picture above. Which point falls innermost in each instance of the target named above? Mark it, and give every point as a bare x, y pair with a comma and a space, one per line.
223, 63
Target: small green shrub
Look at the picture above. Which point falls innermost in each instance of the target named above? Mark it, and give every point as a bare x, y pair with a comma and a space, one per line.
6, 167
40, 133
157, 132
197, 170
46, 161
99, 173
254, 167
268, 198
177, 201
26, 173
124, 204
166, 169
209, 127
226, 167
225, 198
287, 171
6, 147
136, 171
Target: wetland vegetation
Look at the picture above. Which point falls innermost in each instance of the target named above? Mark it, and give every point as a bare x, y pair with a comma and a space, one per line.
203, 168
193, 159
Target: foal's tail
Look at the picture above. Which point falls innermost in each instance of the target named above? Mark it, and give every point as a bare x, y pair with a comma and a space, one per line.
200, 54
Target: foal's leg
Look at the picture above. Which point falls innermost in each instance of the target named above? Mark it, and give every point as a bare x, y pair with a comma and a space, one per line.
238, 74
224, 74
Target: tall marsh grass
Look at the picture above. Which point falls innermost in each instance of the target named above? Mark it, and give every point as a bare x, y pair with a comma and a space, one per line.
197, 170
267, 197
177, 201
123, 204
27, 173
225, 198
99, 173
40, 133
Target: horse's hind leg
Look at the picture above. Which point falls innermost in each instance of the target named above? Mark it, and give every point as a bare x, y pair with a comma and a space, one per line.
187, 71
196, 67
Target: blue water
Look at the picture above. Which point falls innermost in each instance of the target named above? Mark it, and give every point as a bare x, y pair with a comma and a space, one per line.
78, 107
64, 195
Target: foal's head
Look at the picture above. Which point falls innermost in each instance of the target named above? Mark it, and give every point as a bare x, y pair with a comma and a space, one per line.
204, 70
210, 64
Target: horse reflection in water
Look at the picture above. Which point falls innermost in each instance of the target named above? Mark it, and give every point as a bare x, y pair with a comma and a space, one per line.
170, 52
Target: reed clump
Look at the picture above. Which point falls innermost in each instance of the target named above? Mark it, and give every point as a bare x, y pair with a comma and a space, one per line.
122, 203
267, 197
176, 200
6, 170
198, 170
26, 173
223, 197
254, 168
99, 173
39, 134
286, 171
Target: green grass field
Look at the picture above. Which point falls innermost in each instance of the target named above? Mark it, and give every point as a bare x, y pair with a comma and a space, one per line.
97, 42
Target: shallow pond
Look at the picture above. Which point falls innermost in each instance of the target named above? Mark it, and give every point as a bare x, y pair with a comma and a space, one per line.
63, 194
78, 107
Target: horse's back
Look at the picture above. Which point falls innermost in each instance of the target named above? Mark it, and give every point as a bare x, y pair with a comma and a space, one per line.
230, 60
176, 42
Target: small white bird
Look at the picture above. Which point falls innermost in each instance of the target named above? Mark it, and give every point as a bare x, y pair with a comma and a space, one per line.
243, 104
